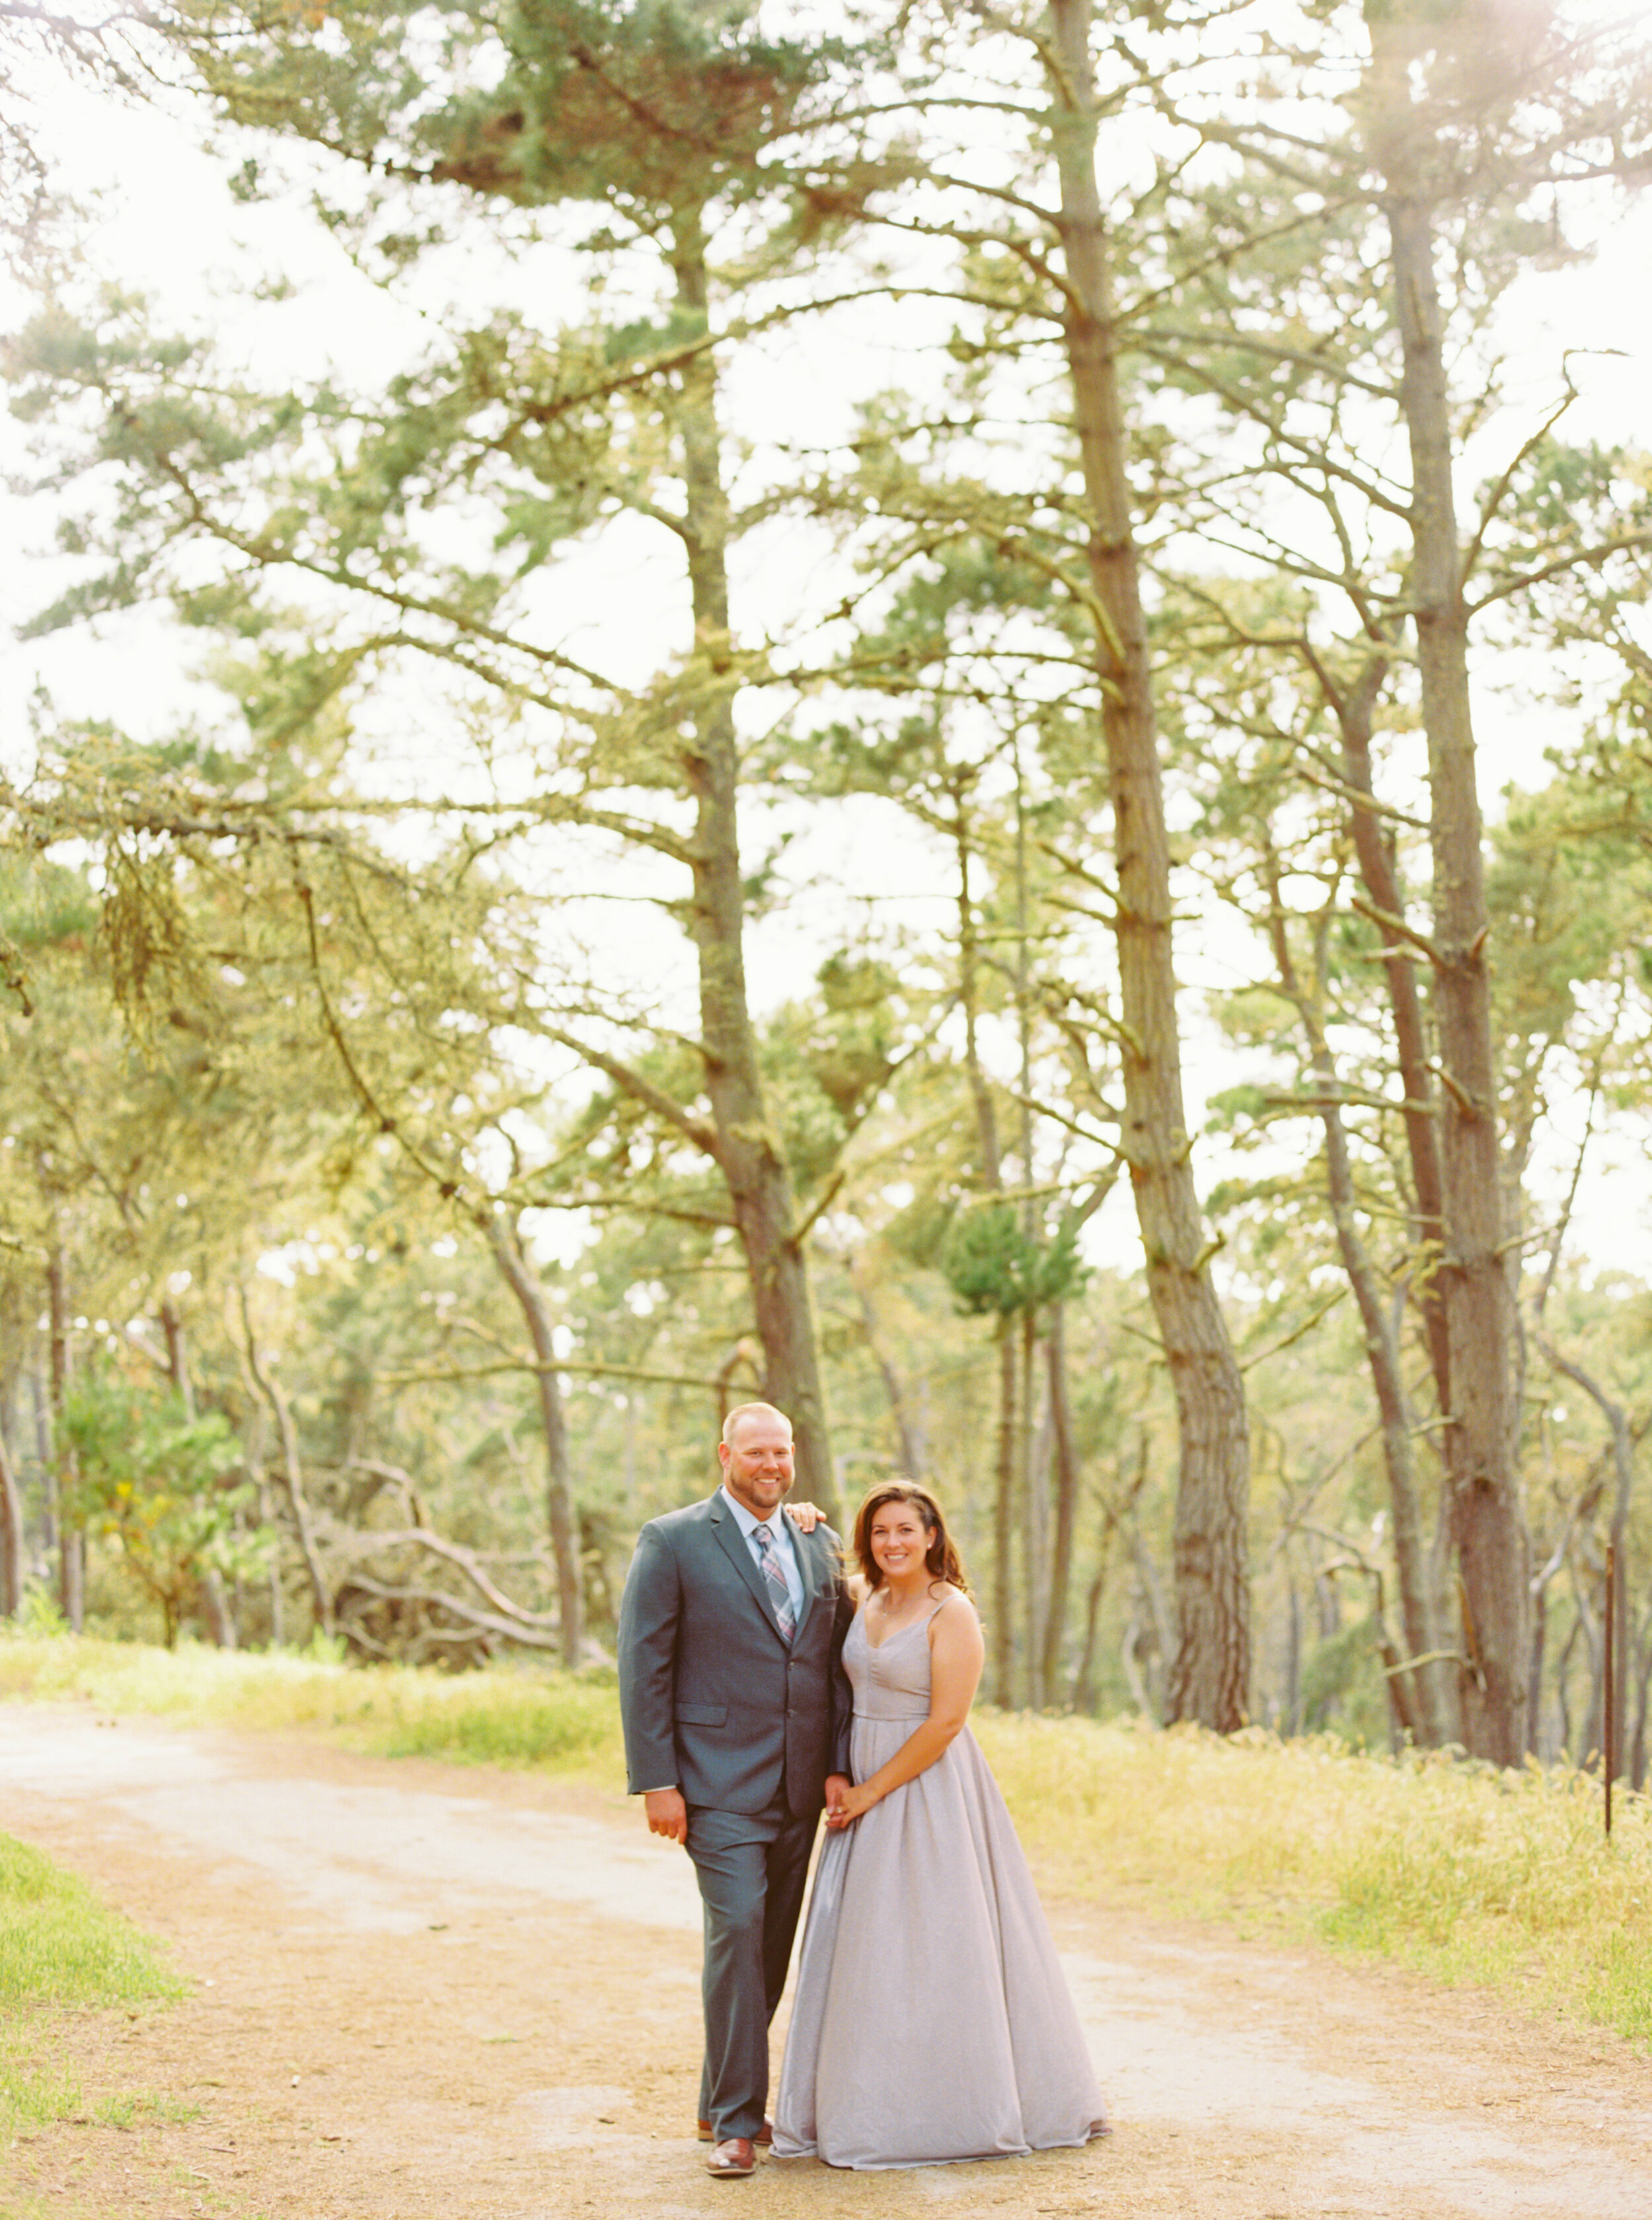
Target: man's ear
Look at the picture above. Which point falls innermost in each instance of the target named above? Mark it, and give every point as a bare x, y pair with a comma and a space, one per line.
722, 1455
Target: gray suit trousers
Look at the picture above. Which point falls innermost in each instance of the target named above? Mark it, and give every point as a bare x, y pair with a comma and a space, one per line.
751, 1867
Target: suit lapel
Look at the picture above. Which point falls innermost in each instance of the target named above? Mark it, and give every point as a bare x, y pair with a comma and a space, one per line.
808, 1569
739, 1556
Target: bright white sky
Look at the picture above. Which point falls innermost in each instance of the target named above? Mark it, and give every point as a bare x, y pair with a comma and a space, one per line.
163, 224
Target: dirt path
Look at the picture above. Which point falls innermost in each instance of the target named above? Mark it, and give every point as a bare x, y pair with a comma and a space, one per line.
424, 1994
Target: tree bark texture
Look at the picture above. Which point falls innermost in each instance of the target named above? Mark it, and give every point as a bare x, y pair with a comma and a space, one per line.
292, 1473
40, 1400
1031, 1482
1487, 1527
1083, 1696
750, 1151
1643, 1688
1373, 849
1210, 1676
1622, 1462
1426, 1707
1064, 1469
561, 1515
177, 1358
72, 1539
1001, 1628
1382, 1355
1000, 1624
11, 1534
215, 1606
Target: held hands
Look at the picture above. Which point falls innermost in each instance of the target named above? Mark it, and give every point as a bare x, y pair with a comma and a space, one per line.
668, 1814
845, 1803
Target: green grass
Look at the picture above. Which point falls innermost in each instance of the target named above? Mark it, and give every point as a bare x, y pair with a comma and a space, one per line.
32, 2096
1456, 1871
58, 1945
35, 2095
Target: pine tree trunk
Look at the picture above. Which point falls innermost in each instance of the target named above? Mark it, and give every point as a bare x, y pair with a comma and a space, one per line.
1083, 1700
1375, 850
1030, 1488
1001, 1628
1419, 1696
177, 1359
1210, 1677
215, 1600
561, 1515
292, 1473
1064, 1464
1000, 1622
750, 1151
1488, 1528
1382, 1355
71, 1540
1643, 1687
11, 1534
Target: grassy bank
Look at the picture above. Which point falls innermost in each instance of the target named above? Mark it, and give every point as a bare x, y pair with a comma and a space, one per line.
553, 1721
1500, 1880
59, 1947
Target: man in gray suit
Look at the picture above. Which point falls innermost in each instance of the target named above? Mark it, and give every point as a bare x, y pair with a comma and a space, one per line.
737, 1723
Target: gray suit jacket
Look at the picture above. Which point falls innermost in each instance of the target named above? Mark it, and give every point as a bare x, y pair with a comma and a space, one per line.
710, 1695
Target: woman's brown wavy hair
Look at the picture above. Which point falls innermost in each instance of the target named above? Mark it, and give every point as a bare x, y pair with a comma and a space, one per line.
941, 1559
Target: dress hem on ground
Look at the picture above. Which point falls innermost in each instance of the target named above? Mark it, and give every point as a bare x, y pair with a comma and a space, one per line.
932, 2024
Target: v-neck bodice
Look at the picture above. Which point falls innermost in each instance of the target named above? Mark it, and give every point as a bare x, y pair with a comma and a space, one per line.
892, 1681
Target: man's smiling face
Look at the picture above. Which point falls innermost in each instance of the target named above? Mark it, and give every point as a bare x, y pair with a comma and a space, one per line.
757, 1463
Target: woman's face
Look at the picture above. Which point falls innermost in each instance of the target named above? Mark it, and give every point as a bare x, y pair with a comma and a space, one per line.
899, 1539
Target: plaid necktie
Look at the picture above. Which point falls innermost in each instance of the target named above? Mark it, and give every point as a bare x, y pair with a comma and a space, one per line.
779, 1594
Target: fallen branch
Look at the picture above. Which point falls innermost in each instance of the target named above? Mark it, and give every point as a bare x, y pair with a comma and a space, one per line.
478, 1622
455, 1554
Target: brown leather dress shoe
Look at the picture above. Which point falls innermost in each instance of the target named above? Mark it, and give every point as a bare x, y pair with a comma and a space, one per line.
763, 2137
734, 2159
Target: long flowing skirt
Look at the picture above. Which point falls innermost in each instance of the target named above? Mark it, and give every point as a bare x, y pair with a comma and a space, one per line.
933, 2022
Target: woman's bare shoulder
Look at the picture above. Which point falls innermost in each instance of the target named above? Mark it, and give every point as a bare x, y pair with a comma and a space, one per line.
952, 1604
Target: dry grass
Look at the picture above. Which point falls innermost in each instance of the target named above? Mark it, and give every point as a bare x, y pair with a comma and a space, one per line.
559, 1722
1467, 1874
1470, 1875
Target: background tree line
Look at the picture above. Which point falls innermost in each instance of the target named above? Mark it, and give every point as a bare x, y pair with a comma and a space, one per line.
1094, 488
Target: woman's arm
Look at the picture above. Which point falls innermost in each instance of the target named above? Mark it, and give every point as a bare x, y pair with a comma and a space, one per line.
956, 1656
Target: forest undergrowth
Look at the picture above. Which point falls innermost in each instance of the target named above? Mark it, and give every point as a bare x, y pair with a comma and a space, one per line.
1456, 1871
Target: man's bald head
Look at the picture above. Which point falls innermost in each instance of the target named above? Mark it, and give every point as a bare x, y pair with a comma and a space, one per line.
755, 1455
765, 1411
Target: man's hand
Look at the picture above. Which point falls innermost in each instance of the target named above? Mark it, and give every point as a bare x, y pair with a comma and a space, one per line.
847, 1807
668, 1814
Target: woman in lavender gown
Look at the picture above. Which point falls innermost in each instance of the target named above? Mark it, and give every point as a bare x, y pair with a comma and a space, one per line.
932, 2020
